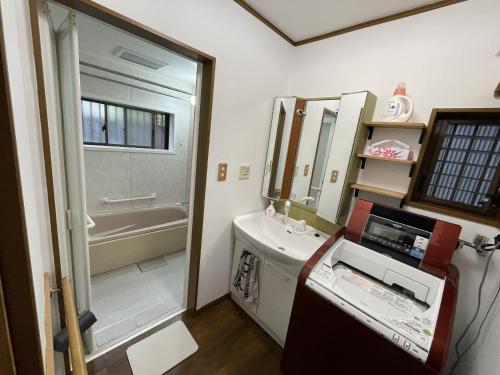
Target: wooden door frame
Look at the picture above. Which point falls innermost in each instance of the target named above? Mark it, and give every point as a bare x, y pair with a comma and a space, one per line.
92, 9
19, 337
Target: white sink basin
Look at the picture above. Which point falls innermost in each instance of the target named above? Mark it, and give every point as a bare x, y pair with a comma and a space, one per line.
276, 239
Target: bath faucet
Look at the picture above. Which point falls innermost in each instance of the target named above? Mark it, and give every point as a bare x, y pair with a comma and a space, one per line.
287, 209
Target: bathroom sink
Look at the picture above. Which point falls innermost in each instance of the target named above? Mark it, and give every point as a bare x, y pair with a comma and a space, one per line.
278, 240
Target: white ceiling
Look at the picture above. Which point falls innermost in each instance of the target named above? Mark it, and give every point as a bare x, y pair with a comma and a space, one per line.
301, 19
103, 40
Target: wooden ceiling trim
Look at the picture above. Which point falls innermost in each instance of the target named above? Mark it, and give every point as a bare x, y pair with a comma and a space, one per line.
264, 20
362, 25
378, 21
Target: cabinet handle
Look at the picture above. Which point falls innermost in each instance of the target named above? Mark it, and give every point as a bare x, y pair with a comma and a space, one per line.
278, 273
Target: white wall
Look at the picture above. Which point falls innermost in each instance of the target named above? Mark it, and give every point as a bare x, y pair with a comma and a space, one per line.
21, 75
447, 58
252, 66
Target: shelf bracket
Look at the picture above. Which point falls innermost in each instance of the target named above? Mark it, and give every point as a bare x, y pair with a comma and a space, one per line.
421, 139
412, 169
370, 132
363, 161
356, 192
401, 202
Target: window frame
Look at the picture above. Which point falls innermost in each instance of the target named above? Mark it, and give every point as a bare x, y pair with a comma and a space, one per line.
428, 155
126, 107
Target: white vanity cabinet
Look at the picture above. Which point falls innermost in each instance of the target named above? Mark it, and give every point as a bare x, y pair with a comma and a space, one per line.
282, 253
276, 298
276, 293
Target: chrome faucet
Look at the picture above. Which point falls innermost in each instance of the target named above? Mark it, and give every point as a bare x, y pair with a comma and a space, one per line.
287, 210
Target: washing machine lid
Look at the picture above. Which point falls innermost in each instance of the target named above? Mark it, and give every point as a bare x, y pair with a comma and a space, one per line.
401, 297
375, 296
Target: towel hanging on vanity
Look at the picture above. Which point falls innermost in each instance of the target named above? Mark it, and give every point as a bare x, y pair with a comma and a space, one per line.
246, 280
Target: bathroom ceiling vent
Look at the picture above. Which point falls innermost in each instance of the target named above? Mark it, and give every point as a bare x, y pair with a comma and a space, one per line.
139, 59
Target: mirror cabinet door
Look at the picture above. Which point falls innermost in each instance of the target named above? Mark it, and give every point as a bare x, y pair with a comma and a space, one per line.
279, 138
341, 168
317, 131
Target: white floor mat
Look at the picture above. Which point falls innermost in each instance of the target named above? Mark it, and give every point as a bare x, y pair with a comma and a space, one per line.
161, 351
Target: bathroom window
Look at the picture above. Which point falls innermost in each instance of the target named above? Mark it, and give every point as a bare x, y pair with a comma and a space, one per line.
460, 169
109, 124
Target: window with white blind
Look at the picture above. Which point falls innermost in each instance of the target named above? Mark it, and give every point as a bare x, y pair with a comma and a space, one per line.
109, 124
460, 169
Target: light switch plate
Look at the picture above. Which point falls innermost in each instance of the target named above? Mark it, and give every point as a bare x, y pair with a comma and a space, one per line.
222, 172
244, 171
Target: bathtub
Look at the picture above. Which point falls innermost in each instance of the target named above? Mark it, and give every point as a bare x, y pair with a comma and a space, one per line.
126, 237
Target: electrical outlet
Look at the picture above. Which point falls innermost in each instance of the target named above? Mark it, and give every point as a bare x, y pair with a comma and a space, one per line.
244, 171
222, 172
334, 176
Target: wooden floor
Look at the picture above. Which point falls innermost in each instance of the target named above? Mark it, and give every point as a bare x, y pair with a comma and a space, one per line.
229, 341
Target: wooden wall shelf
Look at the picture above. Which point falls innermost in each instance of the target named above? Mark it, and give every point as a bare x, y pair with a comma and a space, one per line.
402, 161
411, 163
396, 125
380, 191
388, 125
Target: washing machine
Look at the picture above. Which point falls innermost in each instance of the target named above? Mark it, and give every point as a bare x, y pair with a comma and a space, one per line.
377, 298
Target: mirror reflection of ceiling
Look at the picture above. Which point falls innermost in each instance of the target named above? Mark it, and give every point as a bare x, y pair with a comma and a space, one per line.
300, 19
105, 41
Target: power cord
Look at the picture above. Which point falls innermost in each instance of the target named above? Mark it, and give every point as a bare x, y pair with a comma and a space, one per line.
490, 248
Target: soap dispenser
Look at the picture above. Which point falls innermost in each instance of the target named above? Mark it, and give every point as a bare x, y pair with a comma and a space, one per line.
270, 210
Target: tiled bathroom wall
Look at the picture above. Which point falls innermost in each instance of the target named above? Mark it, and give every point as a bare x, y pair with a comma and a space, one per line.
118, 174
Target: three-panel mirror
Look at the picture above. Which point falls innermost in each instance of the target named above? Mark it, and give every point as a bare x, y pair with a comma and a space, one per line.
279, 138
318, 127
311, 156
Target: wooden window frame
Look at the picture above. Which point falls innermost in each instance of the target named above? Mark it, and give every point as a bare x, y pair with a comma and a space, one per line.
166, 141
426, 159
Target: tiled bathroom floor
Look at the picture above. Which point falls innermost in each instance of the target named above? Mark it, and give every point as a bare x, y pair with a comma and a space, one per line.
126, 300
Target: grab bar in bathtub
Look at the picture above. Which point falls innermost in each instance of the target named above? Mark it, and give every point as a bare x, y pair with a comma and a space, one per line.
107, 200
90, 222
